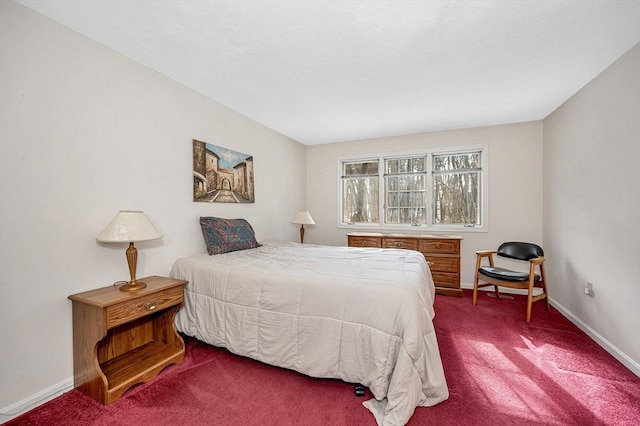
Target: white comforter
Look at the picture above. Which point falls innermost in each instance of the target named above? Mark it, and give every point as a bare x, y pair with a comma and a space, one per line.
360, 315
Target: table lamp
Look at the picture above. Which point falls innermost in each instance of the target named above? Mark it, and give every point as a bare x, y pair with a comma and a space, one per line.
130, 226
302, 218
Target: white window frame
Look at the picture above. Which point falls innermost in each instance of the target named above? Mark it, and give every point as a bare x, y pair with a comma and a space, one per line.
428, 226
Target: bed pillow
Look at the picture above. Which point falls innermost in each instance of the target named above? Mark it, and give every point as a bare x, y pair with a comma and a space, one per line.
225, 235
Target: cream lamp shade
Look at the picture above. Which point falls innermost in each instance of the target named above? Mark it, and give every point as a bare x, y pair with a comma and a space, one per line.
302, 218
130, 226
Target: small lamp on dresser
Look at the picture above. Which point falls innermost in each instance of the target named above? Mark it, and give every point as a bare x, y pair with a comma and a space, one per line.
130, 226
302, 218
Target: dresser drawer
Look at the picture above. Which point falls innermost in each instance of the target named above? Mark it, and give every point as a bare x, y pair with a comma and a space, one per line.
400, 243
443, 264
439, 246
364, 242
141, 306
442, 279
442, 252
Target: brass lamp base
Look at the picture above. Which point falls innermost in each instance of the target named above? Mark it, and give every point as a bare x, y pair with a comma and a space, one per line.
133, 286
132, 260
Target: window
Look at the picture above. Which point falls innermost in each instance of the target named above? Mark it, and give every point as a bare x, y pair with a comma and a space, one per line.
456, 188
405, 189
437, 190
360, 192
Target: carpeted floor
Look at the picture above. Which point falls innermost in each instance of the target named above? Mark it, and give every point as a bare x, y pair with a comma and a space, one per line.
500, 370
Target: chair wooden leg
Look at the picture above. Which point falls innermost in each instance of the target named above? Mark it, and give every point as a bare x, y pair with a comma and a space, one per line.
543, 280
475, 290
529, 302
475, 281
530, 292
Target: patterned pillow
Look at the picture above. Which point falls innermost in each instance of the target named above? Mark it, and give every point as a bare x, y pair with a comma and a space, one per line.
225, 235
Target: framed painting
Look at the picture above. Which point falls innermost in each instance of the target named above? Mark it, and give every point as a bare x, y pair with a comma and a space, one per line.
221, 175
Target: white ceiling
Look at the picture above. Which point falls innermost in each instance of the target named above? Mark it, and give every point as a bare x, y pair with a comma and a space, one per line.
329, 71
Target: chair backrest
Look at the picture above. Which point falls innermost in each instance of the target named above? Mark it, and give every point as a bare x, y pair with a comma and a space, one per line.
520, 251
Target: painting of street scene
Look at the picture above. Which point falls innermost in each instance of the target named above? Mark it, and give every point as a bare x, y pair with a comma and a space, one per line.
221, 175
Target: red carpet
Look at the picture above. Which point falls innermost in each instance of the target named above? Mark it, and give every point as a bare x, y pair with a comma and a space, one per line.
500, 370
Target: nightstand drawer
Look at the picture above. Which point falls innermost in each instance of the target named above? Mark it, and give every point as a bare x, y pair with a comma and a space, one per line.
400, 243
364, 242
441, 279
440, 246
141, 306
443, 264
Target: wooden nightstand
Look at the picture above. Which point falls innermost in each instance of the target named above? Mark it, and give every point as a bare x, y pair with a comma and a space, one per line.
121, 338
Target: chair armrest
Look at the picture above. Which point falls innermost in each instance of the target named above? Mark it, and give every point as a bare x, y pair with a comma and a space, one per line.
485, 253
488, 254
537, 260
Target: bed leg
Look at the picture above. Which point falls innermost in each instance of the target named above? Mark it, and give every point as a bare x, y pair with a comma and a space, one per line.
359, 389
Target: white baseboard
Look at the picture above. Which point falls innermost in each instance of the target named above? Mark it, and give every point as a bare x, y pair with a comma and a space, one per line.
604, 343
39, 398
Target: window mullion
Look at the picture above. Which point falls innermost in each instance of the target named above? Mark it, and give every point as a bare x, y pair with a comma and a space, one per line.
429, 203
382, 187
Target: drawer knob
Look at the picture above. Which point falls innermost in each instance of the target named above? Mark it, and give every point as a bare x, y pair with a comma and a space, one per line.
151, 305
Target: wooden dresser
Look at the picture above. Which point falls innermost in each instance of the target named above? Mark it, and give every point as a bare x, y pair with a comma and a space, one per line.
442, 252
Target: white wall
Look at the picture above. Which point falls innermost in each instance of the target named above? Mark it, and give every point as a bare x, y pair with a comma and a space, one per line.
592, 205
515, 190
85, 132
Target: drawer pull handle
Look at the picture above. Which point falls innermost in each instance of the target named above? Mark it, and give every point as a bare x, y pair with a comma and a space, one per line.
151, 305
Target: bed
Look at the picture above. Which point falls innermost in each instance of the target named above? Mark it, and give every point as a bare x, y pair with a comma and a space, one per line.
362, 315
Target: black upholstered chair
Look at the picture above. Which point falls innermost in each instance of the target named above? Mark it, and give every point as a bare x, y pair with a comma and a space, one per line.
492, 275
